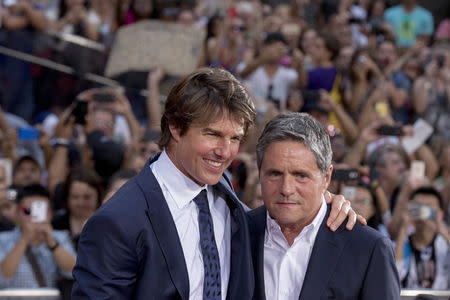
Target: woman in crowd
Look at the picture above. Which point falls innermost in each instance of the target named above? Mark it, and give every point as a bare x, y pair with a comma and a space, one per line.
81, 195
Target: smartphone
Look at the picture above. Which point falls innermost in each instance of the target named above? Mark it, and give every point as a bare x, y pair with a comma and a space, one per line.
80, 111
38, 211
349, 192
6, 169
345, 174
28, 134
417, 169
389, 130
421, 212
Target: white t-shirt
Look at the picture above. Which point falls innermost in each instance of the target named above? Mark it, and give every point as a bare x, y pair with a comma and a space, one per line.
259, 82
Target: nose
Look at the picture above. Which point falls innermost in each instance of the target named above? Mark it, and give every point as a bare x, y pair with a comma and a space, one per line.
287, 186
224, 149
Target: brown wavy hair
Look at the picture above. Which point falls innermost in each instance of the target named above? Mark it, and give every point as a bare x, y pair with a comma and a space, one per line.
202, 97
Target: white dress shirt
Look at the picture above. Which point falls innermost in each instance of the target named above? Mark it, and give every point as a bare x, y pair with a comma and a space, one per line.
285, 266
179, 191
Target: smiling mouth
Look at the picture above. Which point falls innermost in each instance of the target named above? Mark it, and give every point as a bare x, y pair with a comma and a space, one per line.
213, 163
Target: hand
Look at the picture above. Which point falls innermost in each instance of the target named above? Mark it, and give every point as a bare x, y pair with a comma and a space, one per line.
28, 230
121, 105
297, 58
64, 128
44, 139
155, 76
20, 7
442, 227
45, 229
340, 210
370, 134
325, 101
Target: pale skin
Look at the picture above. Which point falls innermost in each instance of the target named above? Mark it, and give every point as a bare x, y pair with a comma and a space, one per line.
292, 186
34, 234
206, 150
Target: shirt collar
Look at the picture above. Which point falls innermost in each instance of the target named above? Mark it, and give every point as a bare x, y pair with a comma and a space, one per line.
309, 232
181, 188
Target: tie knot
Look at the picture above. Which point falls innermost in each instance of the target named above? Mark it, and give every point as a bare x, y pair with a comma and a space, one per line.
201, 200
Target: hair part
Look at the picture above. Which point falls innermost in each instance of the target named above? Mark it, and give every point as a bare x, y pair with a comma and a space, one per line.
301, 128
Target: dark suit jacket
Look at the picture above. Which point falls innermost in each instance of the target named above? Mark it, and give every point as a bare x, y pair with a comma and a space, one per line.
356, 264
130, 248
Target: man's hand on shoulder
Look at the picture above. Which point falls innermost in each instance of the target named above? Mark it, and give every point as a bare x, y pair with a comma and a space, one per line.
340, 210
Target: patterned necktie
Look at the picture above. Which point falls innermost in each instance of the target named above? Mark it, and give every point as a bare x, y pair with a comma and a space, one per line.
211, 263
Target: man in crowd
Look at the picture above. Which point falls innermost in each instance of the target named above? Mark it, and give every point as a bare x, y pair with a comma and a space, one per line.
409, 22
26, 171
423, 257
177, 230
295, 254
33, 254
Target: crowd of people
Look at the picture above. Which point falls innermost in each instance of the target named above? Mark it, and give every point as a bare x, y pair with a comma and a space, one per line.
374, 73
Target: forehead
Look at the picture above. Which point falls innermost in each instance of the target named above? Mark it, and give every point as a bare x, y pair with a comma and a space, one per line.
226, 124
291, 154
27, 164
426, 199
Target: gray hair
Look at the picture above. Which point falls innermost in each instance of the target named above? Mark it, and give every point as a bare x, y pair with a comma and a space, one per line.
297, 127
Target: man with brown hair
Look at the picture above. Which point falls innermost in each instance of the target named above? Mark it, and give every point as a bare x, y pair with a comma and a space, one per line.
177, 230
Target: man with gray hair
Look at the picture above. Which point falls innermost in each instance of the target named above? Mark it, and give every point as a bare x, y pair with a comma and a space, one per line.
295, 255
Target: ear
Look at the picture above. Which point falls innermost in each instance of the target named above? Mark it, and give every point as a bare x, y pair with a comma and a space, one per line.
175, 132
327, 178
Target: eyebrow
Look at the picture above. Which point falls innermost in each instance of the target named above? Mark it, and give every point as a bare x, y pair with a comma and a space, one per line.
220, 133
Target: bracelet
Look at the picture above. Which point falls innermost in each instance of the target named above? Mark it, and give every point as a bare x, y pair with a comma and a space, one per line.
53, 248
61, 142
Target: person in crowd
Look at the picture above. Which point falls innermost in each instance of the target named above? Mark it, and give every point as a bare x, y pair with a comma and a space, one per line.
228, 49
307, 46
26, 171
76, 18
79, 197
423, 256
34, 255
268, 81
295, 255
170, 207
410, 23
431, 91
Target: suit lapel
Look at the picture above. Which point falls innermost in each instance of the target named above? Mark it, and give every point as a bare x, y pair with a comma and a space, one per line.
165, 230
324, 257
240, 257
257, 232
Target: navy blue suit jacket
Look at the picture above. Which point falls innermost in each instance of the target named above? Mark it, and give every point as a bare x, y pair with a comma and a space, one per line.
356, 264
130, 248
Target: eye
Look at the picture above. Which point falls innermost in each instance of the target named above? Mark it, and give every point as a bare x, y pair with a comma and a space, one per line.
301, 175
274, 174
236, 139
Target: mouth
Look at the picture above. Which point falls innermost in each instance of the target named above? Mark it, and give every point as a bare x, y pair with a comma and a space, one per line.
213, 164
286, 204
